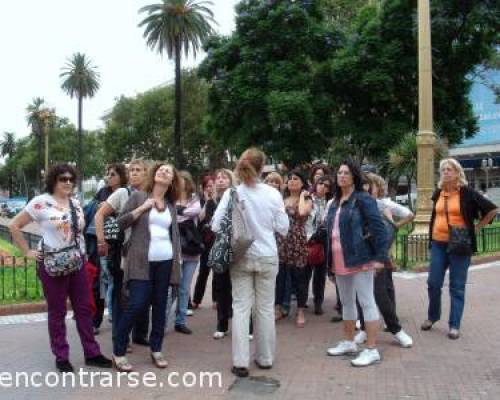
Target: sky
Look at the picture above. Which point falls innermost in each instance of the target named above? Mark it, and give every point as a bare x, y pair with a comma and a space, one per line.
37, 37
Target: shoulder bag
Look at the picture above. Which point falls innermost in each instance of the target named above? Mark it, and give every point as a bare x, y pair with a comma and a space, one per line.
459, 242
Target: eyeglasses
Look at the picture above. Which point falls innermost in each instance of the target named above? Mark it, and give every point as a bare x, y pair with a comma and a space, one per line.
66, 179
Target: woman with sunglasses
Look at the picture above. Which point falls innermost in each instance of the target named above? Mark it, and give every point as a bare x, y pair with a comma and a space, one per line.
60, 220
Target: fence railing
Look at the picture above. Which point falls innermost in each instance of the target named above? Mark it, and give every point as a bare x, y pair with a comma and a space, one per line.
413, 249
18, 280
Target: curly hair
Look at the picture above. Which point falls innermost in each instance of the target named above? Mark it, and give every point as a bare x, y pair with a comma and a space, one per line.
172, 194
56, 171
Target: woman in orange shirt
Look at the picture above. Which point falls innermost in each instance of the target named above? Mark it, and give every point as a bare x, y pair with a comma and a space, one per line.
455, 206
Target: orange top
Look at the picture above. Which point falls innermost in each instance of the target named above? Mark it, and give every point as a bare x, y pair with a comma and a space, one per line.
440, 230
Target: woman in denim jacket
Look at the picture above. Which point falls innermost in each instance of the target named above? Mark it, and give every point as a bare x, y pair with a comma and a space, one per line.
356, 243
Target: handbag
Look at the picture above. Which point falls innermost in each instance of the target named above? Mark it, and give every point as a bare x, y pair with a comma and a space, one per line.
66, 260
191, 240
459, 242
233, 238
315, 253
112, 232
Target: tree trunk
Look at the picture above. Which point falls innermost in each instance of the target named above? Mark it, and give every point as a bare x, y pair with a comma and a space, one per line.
80, 147
39, 162
178, 155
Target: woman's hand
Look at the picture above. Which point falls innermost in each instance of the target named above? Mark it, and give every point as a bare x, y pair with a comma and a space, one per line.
37, 255
102, 249
147, 205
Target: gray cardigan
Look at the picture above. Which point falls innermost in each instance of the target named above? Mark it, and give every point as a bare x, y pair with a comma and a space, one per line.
135, 250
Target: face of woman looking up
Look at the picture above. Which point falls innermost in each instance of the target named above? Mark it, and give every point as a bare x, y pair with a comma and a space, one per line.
294, 184
65, 184
222, 182
344, 177
164, 175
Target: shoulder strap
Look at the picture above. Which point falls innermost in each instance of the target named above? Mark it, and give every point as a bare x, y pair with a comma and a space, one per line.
74, 222
446, 210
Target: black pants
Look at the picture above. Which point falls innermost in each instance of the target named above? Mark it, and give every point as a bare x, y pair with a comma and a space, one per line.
201, 280
383, 289
224, 299
318, 275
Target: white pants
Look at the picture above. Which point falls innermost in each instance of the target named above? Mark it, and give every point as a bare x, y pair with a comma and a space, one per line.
253, 280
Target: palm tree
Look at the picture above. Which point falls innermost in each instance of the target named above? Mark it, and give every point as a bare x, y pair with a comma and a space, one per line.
34, 111
8, 149
172, 26
80, 79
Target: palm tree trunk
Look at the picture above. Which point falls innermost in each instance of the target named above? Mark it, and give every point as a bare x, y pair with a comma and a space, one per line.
80, 146
178, 105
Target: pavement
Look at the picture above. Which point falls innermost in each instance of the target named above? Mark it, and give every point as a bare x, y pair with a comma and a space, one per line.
434, 368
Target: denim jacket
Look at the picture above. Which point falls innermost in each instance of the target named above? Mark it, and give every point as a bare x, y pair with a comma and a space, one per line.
362, 232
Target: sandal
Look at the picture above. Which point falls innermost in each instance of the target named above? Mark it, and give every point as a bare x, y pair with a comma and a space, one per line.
279, 314
121, 364
159, 360
427, 325
300, 322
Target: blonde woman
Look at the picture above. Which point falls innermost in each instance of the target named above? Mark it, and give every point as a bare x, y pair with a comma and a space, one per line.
253, 278
456, 205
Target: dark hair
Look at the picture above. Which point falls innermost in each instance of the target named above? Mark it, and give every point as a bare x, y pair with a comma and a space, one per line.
121, 170
54, 173
357, 178
316, 168
323, 179
302, 177
172, 194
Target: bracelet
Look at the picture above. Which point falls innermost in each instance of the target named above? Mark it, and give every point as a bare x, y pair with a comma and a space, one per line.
101, 244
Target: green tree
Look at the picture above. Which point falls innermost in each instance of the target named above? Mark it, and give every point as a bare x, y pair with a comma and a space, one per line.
8, 149
80, 79
33, 117
172, 26
263, 90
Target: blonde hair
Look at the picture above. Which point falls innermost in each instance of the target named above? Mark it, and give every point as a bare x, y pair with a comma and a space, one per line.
228, 173
274, 177
462, 180
379, 182
250, 165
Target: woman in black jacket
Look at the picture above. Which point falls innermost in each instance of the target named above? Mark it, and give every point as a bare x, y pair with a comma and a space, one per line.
456, 206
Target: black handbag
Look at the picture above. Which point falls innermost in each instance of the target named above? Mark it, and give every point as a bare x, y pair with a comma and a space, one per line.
459, 242
191, 240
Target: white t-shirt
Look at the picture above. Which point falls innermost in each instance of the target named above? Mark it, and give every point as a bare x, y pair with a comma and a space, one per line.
265, 212
160, 246
117, 199
397, 210
55, 221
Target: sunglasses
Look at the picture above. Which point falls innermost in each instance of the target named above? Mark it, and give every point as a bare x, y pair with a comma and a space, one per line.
66, 179
112, 174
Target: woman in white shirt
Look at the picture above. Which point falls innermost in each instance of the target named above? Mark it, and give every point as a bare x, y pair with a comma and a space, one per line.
254, 277
60, 220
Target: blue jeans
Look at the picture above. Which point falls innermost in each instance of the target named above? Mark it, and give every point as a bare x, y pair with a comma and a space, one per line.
106, 285
283, 288
458, 265
188, 268
141, 294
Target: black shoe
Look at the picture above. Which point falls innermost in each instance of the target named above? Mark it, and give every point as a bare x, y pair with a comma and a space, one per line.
336, 318
183, 329
318, 310
64, 366
260, 366
240, 372
141, 341
99, 361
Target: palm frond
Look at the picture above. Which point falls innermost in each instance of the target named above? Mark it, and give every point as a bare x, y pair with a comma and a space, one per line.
79, 77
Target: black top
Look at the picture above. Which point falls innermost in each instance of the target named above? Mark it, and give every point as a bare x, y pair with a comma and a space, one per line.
473, 206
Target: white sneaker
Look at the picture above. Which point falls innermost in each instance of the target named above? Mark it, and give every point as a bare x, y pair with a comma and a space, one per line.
189, 312
358, 324
250, 337
360, 337
403, 339
366, 357
219, 334
343, 347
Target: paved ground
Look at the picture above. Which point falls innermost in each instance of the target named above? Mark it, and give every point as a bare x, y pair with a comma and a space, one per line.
435, 368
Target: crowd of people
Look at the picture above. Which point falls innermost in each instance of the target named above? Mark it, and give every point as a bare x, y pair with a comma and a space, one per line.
136, 247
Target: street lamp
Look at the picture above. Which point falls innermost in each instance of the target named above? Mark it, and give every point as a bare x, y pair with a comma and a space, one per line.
487, 164
47, 117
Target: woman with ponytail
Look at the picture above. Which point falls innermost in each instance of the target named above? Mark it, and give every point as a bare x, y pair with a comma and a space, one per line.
254, 277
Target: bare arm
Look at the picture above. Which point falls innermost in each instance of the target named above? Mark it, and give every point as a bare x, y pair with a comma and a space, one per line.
18, 223
102, 213
305, 205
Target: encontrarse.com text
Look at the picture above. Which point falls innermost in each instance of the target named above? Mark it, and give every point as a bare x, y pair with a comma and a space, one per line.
104, 379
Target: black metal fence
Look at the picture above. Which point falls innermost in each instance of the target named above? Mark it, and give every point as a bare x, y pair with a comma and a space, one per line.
414, 249
18, 280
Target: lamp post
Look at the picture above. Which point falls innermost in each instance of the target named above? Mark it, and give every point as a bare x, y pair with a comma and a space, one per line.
47, 117
426, 139
487, 164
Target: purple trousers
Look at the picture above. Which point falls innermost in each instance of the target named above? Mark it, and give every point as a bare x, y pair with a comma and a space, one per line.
56, 291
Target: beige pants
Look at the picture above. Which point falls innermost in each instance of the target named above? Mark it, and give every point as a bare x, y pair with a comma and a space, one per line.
253, 281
